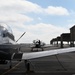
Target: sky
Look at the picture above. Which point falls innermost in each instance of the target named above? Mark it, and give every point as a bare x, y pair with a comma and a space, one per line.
40, 19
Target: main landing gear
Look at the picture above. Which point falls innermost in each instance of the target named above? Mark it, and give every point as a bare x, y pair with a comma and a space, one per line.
27, 66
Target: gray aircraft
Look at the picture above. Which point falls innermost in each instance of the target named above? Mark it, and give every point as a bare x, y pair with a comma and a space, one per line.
8, 45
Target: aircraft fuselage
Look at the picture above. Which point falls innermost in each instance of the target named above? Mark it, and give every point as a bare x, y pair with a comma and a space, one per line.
8, 46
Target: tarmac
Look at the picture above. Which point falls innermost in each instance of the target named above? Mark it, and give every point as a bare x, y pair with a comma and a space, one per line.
61, 64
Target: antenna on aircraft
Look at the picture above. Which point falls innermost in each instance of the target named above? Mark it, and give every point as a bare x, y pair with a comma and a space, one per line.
21, 36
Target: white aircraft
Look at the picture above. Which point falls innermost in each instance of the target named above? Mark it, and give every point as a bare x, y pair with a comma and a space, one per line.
9, 48
37, 44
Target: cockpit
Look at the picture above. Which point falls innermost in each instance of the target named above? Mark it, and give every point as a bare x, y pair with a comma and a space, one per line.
5, 31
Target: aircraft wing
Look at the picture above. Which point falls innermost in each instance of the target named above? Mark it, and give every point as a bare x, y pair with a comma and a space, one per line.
33, 55
45, 46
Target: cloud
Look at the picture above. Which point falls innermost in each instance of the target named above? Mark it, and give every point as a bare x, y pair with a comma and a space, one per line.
14, 17
56, 10
16, 10
39, 18
70, 25
19, 6
44, 32
24, 6
14, 13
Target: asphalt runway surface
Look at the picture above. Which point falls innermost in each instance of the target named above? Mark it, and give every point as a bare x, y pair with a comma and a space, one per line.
61, 64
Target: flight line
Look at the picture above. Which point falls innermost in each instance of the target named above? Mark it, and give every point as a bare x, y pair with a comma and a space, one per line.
10, 51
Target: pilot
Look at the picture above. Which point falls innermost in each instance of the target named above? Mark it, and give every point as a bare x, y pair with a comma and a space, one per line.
39, 42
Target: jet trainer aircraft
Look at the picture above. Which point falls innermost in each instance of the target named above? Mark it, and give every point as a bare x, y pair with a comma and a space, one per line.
37, 44
9, 48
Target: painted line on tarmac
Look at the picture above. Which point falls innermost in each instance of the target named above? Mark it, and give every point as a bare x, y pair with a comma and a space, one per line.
12, 68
